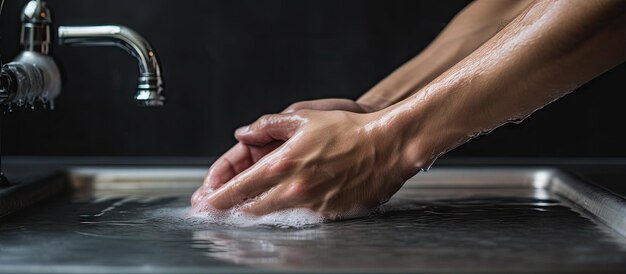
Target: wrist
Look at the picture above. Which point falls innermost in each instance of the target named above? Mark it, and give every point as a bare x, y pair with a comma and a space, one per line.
372, 102
399, 129
426, 126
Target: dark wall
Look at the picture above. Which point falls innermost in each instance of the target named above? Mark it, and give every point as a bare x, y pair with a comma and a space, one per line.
227, 62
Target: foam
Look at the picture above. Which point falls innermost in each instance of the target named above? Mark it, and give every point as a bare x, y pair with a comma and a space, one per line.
203, 216
190, 218
290, 218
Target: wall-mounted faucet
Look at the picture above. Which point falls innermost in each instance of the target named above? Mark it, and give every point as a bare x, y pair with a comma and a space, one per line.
149, 86
33, 75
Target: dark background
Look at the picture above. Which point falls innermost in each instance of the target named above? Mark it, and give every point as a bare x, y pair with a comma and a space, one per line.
227, 62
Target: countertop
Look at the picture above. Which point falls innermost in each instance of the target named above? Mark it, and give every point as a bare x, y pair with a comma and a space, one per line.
609, 173
104, 230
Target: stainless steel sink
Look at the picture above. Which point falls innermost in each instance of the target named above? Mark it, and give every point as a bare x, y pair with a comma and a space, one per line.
445, 221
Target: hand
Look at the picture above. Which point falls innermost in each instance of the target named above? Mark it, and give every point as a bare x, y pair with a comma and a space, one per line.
336, 163
240, 157
330, 104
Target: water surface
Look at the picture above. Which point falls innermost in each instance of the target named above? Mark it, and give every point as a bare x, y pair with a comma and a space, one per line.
514, 231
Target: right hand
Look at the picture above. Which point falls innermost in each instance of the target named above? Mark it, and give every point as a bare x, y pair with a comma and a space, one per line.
240, 157
330, 104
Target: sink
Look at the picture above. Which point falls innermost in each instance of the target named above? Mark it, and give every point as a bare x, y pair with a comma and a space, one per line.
448, 220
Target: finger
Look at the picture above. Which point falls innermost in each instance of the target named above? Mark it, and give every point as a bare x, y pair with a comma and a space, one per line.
271, 202
248, 184
198, 199
326, 104
228, 166
301, 105
269, 128
237, 159
198, 196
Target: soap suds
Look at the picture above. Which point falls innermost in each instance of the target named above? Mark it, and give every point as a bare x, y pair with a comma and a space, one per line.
290, 218
236, 217
201, 216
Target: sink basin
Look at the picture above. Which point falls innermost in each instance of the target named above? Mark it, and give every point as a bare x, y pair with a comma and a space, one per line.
449, 220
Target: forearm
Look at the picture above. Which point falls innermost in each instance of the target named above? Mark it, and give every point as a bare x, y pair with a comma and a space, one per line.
547, 51
473, 26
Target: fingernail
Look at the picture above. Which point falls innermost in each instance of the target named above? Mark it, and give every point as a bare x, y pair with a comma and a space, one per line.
242, 130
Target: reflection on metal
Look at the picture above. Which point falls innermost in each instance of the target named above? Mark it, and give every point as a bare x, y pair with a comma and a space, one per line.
462, 220
150, 84
36, 22
33, 75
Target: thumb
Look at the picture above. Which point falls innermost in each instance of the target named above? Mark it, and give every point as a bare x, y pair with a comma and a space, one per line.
269, 128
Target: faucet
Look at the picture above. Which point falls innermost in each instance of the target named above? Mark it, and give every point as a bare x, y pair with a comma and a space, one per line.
33, 75
149, 87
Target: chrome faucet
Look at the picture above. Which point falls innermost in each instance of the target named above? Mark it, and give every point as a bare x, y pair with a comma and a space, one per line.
33, 75
149, 87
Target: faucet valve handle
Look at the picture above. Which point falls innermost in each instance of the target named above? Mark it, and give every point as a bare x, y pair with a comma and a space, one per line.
36, 22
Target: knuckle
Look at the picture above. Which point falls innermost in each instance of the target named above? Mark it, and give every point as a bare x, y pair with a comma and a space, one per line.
284, 166
262, 122
297, 191
264, 119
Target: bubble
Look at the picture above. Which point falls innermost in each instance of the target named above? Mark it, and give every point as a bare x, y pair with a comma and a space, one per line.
289, 218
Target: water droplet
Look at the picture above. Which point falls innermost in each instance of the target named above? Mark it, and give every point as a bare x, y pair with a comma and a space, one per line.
44, 97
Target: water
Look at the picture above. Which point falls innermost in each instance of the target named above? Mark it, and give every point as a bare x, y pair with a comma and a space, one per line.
414, 231
236, 216
37, 82
42, 102
292, 218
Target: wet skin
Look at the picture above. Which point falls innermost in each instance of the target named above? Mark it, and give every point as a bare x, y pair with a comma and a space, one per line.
496, 62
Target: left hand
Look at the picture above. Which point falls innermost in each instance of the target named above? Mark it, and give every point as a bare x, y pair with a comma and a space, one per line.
335, 163
242, 156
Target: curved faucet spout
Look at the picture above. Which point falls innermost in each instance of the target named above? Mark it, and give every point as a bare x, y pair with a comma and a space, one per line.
150, 86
